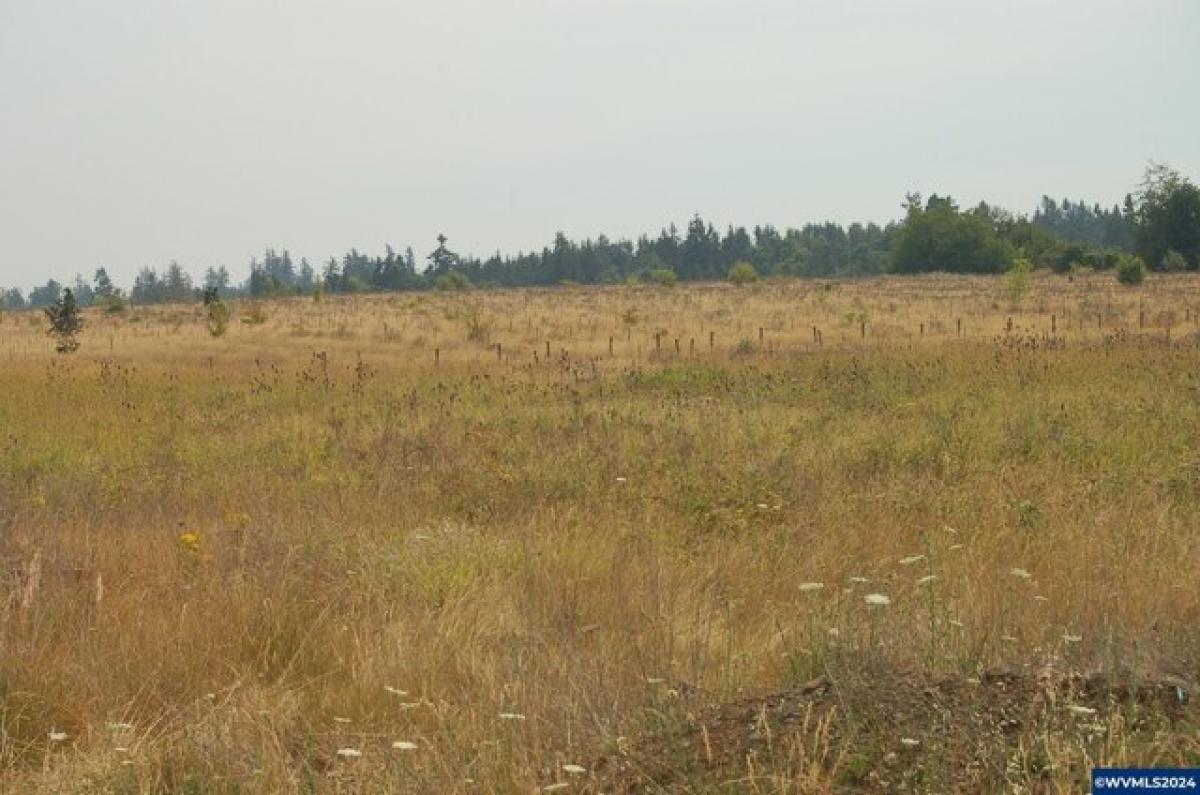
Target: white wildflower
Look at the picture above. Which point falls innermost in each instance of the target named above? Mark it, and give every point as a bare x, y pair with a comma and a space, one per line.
1020, 574
341, 720
877, 600
911, 559
956, 546
511, 716
811, 586
859, 580
574, 770
395, 691
349, 753
404, 745
655, 680
910, 742
1078, 710
620, 480
555, 787
1072, 638
57, 736
928, 578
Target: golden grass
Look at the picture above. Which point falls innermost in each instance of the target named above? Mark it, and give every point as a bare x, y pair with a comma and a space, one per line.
565, 539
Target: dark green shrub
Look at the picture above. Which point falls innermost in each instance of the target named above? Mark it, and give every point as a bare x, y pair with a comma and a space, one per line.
65, 322
452, 282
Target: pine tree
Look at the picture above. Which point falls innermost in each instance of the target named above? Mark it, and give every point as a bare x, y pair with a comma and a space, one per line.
102, 285
442, 260
65, 322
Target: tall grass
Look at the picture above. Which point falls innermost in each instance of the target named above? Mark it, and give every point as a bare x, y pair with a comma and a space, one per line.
226, 560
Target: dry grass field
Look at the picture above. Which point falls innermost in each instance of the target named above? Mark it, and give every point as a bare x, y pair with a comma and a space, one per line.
881, 535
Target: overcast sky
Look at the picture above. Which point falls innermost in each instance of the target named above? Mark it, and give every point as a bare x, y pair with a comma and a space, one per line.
134, 132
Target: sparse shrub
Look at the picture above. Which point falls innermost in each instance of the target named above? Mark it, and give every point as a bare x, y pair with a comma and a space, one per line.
742, 272
256, 316
1174, 261
114, 303
478, 329
1029, 513
630, 317
1016, 278
452, 282
663, 277
744, 347
318, 293
217, 313
65, 322
1131, 270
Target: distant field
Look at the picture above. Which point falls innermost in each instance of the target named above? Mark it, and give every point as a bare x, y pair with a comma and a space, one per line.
879, 535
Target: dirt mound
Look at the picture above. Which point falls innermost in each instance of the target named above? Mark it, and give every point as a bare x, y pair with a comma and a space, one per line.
908, 732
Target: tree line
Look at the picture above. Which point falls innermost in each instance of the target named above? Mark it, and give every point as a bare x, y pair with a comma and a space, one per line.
1158, 223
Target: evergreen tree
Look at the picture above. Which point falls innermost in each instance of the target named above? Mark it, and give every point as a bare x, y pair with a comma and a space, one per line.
307, 278
65, 322
45, 295
102, 286
700, 252
331, 276
177, 285
11, 298
84, 294
148, 288
442, 260
216, 280
736, 246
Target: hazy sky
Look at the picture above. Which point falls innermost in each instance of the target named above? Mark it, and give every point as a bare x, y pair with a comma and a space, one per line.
134, 132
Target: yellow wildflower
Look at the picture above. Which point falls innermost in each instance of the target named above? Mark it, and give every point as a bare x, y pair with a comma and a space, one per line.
190, 541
